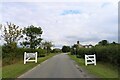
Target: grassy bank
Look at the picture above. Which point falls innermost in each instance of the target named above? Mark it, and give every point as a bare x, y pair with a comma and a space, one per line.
102, 70
15, 70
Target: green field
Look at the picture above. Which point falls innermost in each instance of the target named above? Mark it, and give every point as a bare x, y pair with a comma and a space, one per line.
15, 70
101, 70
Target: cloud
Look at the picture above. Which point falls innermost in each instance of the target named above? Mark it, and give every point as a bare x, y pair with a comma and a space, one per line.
66, 12
105, 4
66, 22
60, 1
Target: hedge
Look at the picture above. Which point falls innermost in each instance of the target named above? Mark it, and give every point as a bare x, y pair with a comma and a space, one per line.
109, 53
11, 56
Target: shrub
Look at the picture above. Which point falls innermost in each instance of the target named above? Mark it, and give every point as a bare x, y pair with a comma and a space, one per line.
109, 53
41, 52
11, 56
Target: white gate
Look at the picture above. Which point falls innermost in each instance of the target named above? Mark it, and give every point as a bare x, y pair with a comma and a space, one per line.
90, 59
28, 56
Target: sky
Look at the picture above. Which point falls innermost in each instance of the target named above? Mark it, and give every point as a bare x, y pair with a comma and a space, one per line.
65, 23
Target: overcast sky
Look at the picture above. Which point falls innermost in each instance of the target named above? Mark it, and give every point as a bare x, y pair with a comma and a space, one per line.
64, 23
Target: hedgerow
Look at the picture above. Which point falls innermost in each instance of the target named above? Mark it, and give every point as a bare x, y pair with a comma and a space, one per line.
11, 56
108, 53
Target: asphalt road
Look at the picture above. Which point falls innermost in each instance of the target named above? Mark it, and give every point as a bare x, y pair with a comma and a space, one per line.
59, 66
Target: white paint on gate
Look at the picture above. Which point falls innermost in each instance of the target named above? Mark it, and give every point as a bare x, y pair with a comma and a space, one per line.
90, 59
28, 56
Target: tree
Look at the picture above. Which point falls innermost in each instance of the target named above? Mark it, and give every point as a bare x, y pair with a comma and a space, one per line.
75, 49
47, 45
32, 36
0, 29
103, 42
12, 34
65, 48
113, 42
56, 50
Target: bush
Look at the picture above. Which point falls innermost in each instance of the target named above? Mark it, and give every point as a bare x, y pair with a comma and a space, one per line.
11, 56
108, 53
41, 52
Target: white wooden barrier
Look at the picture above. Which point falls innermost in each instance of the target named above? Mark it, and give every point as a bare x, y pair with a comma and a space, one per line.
90, 59
27, 57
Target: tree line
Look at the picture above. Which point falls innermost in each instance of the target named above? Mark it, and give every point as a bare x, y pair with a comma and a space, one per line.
29, 39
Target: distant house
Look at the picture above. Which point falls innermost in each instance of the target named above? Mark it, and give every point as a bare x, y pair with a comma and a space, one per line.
88, 46
83, 46
79, 45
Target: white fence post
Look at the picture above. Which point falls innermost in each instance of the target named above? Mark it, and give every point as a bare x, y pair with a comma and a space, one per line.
85, 59
94, 59
27, 57
90, 59
36, 57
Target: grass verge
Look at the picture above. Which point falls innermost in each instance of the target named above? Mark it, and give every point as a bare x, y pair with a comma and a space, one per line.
15, 70
101, 70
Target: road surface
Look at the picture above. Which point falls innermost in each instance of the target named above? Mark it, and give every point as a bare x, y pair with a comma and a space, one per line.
59, 66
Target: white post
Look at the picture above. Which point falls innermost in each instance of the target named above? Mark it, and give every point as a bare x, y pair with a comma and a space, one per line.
94, 59
25, 58
36, 57
85, 59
